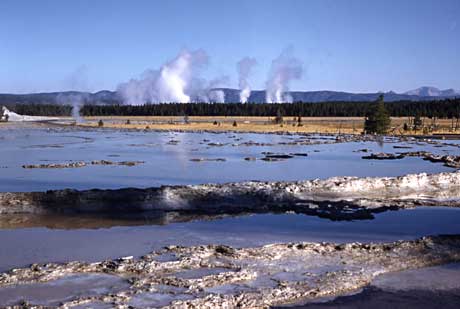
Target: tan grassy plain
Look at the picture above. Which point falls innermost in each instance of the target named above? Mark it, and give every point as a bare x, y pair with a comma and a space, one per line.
352, 125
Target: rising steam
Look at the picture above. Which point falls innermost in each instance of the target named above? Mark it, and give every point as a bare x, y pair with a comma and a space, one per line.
77, 80
179, 81
176, 81
76, 100
216, 95
284, 69
244, 67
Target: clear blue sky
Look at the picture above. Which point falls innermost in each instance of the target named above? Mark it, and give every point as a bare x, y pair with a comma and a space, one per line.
345, 45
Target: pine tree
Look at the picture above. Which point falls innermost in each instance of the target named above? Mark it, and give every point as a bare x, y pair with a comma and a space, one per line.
418, 123
279, 117
378, 119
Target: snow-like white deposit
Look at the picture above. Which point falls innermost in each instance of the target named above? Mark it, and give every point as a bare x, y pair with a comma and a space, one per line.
12, 116
421, 185
441, 189
411, 186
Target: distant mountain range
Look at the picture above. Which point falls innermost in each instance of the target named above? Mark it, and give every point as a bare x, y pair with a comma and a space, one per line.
100, 97
420, 94
233, 95
433, 92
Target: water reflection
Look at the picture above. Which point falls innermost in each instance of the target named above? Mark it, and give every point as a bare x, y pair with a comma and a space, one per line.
98, 238
167, 158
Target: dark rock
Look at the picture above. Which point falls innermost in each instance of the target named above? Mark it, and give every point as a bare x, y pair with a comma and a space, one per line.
279, 156
300, 154
401, 147
208, 160
383, 156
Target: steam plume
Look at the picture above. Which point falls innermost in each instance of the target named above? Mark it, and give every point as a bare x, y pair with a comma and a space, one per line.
217, 95
76, 100
176, 81
244, 67
283, 69
77, 80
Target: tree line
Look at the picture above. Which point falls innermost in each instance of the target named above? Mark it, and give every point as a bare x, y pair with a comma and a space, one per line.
448, 108
40, 109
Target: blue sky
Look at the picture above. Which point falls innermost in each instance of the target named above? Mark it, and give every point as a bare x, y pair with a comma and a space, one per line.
360, 46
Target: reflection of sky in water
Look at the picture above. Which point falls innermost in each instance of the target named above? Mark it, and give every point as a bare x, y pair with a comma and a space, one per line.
445, 277
54, 292
430, 287
170, 164
24, 246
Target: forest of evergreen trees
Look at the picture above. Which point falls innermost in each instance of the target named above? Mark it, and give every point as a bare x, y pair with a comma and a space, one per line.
440, 109
449, 108
41, 109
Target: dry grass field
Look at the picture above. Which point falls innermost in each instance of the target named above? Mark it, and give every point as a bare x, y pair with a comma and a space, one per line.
351, 125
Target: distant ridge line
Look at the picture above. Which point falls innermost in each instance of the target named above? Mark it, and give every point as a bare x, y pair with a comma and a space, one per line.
233, 96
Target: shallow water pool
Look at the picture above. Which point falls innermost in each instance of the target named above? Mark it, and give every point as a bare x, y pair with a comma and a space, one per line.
24, 246
167, 157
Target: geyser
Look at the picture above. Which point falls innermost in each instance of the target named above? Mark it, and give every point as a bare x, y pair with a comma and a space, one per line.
284, 69
176, 81
76, 100
244, 67
179, 81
